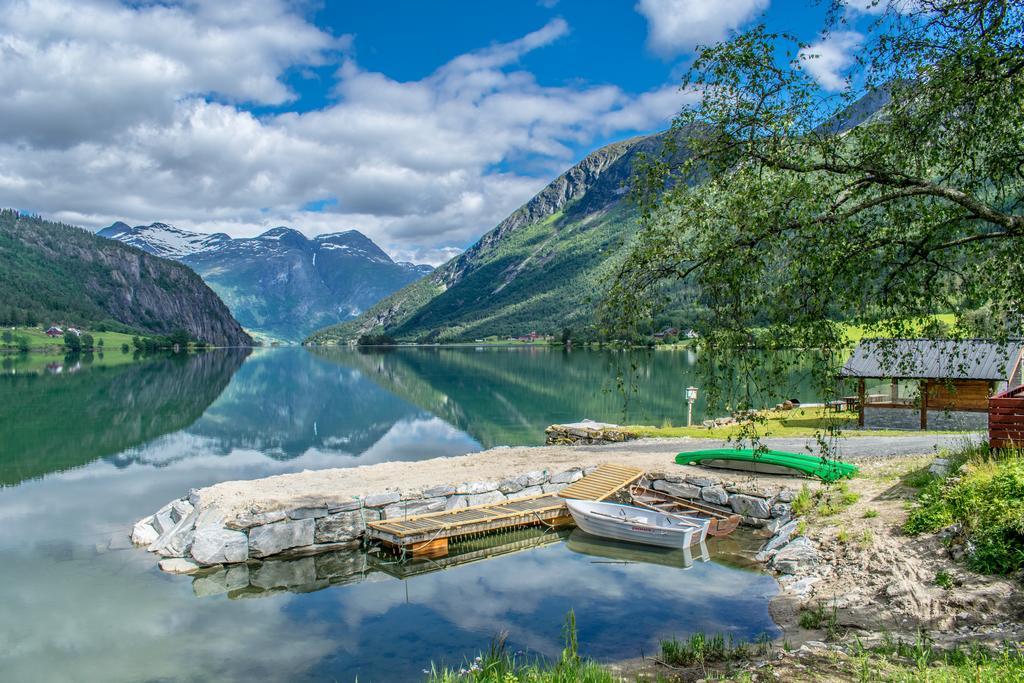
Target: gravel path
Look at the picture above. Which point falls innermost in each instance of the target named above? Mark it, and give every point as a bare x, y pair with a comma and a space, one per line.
315, 487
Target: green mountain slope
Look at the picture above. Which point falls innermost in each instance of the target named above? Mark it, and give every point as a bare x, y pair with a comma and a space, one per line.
55, 273
541, 269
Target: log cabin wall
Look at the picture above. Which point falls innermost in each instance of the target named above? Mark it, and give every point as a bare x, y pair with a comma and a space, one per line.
960, 394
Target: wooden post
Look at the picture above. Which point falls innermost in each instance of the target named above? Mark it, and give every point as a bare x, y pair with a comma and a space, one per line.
924, 404
894, 392
860, 402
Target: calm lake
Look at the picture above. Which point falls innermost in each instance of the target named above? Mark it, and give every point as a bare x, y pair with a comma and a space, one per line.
87, 450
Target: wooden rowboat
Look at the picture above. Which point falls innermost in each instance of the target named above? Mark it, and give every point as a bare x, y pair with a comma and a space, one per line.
722, 521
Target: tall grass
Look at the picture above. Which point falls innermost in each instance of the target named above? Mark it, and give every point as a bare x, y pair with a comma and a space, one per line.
498, 665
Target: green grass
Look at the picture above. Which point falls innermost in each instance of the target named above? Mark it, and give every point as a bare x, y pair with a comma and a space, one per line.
898, 661
38, 340
497, 665
788, 423
855, 333
984, 494
702, 649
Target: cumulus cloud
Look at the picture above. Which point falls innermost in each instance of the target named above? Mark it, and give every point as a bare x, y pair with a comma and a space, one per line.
827, 59
678, 26
142, 113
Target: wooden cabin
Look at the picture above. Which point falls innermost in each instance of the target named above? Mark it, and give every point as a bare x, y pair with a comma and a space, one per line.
933, 374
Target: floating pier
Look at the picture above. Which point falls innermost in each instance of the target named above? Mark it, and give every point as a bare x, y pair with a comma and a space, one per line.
427, 535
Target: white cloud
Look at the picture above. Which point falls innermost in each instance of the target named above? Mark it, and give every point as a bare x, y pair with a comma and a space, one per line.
138, 113
827, 59
678, 26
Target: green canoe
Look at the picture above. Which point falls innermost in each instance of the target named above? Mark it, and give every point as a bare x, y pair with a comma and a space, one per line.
769, 462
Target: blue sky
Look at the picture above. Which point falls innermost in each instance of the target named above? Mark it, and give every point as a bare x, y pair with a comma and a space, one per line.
421, 124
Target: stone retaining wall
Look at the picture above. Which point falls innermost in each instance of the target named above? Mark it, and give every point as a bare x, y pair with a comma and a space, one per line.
587, 433
190, 535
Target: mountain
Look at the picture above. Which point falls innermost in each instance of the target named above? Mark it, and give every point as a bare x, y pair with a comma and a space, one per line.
539, 269
51, 272
281, 283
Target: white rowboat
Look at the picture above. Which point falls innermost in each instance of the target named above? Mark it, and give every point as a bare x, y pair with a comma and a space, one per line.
637, 525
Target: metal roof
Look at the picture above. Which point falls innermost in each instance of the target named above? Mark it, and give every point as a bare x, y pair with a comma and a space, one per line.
934, 359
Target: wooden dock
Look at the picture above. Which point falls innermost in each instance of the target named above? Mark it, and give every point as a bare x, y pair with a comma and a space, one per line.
427, 535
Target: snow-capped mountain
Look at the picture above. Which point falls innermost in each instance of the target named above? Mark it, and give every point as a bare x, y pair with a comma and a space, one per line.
281, 283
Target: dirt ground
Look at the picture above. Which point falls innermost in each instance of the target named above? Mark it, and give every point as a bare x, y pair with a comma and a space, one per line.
875, 584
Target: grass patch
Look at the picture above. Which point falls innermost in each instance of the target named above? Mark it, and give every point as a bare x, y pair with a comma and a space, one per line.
870, 514
902, 662
984, 496
821, 617
944, 579
827, 501
498, 665
701, 649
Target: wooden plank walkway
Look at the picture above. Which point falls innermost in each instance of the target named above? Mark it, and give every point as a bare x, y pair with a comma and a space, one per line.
428, 534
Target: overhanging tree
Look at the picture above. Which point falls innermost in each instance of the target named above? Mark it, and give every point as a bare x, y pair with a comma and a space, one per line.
794, 210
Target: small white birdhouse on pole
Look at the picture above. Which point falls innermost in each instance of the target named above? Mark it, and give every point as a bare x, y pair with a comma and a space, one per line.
691, 398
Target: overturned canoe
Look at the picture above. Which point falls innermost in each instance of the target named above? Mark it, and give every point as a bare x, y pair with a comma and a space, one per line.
769, 462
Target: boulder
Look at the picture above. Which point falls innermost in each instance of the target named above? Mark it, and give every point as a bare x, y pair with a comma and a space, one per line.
529, 491
270, 539
681, 490
796, 557
162, 521
701, 481
180, 509
175, 541
786, 496
178, 565
308, 512
379, 500
552, 488
567, 477
512, 485
343, 505
247, 520
283, 573
143, 532
476, 487
444, 490
750, 506
485, 498
455, 502
780, 510
715, 495
780, 539
535, 478
218, 545
408, 508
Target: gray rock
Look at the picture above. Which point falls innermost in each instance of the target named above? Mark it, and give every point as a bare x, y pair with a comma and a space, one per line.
714, 494
283, 573
180, 509
939, 467
162, 521
567, 477
444, 490
797, 556
780, 510
143, 532
536, 477
680, 490
271, 539
223, 580
379, 500
786, 496
475, 487
701, 481
513, 485
455, 502
529, 491
552, 488
339, 527
775, 523
408, 508
217, 545
308, 512
178, 565
175, 541
485, 498
780, 539
588, 469
247, 520
755, 522
343, 505
750, 506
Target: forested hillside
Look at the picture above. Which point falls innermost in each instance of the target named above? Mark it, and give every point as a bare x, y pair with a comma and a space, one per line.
56, 273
